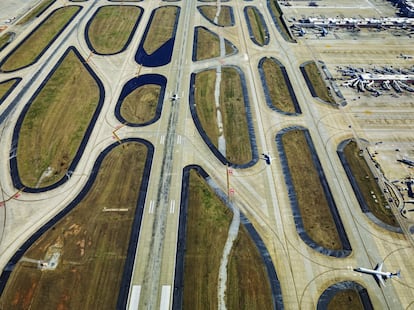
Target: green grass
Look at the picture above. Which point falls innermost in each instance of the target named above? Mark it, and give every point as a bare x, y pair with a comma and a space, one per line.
256, 25
161, 29
4, 88
112, 26
367, 184
274, 7
93, 244
56, 122
315, 77
314, 208
210, 11
36, 43
208, 221
36, 11
140, 105
276, 84
208, 45
4, 39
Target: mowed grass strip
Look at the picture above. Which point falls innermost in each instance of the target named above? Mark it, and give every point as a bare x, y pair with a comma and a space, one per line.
208, 221
276, 84
4, 88
345, 300
277, 12
256, 25
4, 39
235, 126
208, 44
210, 11
36, 43
367, 184
205, 103
314, 208
141, 104
161, 29
93, 244
248, 285
55, 123
112, 26
36, 11
318, 83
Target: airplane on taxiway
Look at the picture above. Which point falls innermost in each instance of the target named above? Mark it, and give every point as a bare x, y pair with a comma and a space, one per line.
379, 275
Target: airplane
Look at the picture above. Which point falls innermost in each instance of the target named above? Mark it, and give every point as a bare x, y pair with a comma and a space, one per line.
267, 158
379, 275
403, 56
174, 97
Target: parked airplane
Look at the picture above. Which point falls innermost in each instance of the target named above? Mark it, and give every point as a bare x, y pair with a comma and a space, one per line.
174, 97
379, 275
404, 56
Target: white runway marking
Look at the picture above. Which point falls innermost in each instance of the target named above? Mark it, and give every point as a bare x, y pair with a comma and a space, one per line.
172, 206
162, 139
165, 297
134, 301
151, 207
178, 139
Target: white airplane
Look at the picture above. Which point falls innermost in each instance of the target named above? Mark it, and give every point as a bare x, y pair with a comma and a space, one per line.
174, 97
379, 275
404, 56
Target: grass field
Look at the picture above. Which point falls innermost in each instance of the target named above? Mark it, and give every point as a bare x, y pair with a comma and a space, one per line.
238, 147
314, 209
248, 282
4, 39
92, 244
278, 90
210, 11
256, 25
55, 123
208, 221
140, 105
318, 83
161, 29
112, 26
35, 12
208, 45
4, 87
33, 46
274, 6
367, 184
345, 300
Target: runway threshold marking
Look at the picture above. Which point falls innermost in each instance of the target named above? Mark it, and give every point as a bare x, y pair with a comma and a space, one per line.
162, 139
165, 297
134, 300
151, 207
179, 139
172, 206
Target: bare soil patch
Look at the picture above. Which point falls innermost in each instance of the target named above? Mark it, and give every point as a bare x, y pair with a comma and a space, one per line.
345, 300
278, 90
93, 244
140, 105
35, 44
314, 208
210, 11
55, 123
112, 26
161, 29
248, 283
208, 221
367, 184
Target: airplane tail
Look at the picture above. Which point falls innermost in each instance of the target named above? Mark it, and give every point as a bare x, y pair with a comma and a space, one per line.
397, 274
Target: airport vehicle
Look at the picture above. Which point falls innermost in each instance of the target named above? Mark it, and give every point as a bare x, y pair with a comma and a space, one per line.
379, 275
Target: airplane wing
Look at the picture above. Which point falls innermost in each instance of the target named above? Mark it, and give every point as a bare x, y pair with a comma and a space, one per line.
378, 267
379, 280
